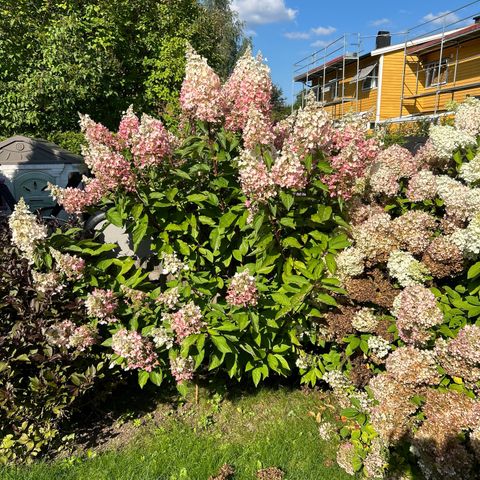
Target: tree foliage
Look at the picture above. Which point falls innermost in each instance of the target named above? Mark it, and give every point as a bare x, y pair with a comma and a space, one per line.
100, 56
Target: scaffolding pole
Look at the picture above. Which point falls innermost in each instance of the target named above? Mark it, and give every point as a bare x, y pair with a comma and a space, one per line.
440, 61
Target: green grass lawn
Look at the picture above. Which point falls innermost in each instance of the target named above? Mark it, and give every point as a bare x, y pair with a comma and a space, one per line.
270, 428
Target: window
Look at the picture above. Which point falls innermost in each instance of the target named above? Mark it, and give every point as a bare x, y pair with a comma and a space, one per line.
434, 75
371, 80
331, 89
317, 92
334, 89
329, 92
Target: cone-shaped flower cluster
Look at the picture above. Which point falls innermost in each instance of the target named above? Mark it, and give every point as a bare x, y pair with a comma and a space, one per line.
27, 232
248, 87
201, 89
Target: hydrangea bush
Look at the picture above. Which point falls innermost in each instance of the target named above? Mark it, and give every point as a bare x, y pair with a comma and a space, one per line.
48, 363
241, 221
410, 378
302, 246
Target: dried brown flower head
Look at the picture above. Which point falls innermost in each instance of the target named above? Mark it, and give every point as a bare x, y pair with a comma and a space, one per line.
270, 473
375, 288
443, 258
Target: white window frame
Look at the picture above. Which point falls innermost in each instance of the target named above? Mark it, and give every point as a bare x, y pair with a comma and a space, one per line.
373, 80
333, 84
332, 91
431, 73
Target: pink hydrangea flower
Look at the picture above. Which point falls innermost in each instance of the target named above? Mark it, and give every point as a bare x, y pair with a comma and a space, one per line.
136, 350
312, 128
352, 153
102, 304
187, 321
249, 86
288, 171
83, 337
96, 133
70, 265
201, 89
110, 167
129, 126
257, 182
242, 291
153, 143
182, 369
258, 130
391, 165
416, 310
59, 334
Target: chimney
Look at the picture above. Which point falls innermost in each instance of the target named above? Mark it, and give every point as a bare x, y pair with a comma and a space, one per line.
384, 39
476, 19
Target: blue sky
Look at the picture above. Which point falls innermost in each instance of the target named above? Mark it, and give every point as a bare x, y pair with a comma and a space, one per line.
287, 30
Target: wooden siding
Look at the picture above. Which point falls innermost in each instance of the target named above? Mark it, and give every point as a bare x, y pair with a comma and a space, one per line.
392, 85
461, 72
425, 99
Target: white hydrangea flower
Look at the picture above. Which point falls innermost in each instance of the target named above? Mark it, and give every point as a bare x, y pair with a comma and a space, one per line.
47, 282
301, 362
467, 116
162, 337
379, 346
406, 269
365, 320
446, 139
169, 298
337, 380
326, 431
27, 232
470, 171
172, 264
468, 239
460, 201
350, 263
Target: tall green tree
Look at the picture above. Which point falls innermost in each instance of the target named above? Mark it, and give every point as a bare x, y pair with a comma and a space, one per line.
58, 57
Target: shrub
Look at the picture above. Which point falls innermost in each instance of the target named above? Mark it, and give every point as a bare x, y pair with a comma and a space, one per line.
241, 223
70, 141
46, 360
252, 269
410, 318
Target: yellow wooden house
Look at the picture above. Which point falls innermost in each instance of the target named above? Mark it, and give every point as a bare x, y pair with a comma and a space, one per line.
407, 81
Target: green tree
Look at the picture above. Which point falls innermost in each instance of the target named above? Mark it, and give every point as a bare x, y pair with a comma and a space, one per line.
280, 109
99, 56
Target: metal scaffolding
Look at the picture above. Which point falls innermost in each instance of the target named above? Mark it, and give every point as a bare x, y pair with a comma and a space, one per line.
331, 59
436, 35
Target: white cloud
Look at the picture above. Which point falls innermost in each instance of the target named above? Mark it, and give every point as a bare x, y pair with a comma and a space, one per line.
441, 17
297, 35
263, 11
380, 21
324, 30
319, 31
320, 43
250, 33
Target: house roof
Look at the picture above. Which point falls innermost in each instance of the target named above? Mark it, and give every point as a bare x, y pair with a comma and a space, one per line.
417, 45
19, 149
472, 31
318, 71
414, 42
421, 42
